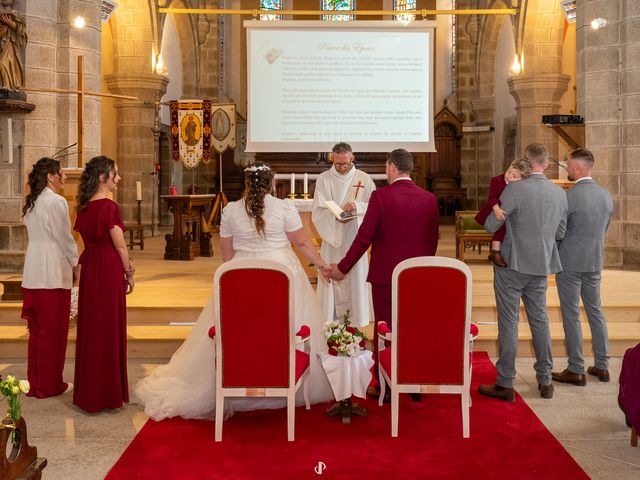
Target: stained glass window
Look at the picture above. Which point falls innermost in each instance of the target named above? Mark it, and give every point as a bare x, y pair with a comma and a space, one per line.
404, 5
338, 5
270, 5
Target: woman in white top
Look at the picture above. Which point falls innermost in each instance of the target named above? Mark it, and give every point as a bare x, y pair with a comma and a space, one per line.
49, 269
258, 226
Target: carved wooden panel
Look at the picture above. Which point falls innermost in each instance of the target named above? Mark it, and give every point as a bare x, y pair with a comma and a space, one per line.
443, 167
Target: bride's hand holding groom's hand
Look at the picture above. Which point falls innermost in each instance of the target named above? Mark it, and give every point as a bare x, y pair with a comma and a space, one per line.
334, 272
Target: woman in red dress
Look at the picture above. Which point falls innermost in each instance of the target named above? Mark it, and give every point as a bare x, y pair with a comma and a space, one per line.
106, 275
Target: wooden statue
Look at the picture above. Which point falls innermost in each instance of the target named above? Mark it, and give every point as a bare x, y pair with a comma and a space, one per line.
13, 41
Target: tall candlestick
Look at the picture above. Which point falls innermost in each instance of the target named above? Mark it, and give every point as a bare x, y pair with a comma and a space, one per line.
306, 184
138, 191
293, 184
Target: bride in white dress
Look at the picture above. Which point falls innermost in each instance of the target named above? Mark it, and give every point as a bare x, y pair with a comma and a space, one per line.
257, 226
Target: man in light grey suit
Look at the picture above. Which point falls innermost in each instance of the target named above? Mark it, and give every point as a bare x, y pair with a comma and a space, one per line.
581, 253
535, 211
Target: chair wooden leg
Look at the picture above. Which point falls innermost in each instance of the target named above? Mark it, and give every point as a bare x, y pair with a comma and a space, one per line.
305, 393
634, 437
465, 413
383, 386
471, 342
291, 416
395, 397
219, 418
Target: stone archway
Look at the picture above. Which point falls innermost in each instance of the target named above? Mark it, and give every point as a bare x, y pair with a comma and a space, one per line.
133, 44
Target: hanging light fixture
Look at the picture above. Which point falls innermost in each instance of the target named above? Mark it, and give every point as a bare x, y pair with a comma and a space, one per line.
598, 23
79, 22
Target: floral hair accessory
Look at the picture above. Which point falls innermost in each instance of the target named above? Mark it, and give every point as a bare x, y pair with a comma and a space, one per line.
257, 168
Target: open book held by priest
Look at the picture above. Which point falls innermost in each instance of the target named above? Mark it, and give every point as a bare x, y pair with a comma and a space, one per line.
338, 212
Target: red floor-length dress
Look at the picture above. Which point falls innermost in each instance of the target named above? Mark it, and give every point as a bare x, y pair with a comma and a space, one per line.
101, 347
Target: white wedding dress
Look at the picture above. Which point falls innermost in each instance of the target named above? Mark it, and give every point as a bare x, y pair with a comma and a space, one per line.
185, 386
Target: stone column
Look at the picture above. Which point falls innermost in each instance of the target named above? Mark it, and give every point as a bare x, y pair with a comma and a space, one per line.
608, 88
537, 95
136, 149
478, 176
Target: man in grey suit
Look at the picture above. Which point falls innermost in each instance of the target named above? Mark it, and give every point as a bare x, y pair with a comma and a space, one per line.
581, 254
535, 211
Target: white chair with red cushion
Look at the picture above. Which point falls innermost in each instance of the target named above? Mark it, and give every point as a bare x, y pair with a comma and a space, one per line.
430, 335
255, 337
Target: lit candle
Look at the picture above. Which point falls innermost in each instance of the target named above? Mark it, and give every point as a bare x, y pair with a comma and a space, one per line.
139, 191
293, 183
306, 184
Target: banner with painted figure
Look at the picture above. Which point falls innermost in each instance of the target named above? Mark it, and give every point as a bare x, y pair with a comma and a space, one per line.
223, 126
191, 131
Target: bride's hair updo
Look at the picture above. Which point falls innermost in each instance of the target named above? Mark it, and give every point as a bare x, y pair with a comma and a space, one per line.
258, 179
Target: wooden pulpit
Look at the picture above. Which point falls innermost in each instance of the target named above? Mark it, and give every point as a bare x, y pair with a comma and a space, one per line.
191, 236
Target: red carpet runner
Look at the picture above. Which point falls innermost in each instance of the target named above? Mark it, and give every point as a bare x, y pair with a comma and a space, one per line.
507, 441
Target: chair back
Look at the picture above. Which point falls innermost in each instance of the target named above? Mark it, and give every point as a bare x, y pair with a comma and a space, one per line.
431, 311
254, 325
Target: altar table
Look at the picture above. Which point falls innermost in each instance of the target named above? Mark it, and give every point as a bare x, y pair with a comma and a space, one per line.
191, 236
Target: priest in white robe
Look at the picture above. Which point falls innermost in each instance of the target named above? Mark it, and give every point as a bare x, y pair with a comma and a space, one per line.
350, 188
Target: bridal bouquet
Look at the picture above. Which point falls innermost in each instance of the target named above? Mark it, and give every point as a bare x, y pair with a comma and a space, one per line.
74, 303
11, 388
343, 339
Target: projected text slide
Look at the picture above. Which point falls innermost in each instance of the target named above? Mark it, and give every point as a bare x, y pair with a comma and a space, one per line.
311, 88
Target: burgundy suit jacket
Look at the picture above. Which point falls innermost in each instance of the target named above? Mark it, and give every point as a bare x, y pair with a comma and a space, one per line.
496, 187
401, 222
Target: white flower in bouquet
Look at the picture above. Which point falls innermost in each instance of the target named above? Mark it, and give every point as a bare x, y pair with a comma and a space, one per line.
24, 386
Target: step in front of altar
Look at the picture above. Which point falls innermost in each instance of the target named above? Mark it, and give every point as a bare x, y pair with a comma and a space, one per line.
483, 312
161, 341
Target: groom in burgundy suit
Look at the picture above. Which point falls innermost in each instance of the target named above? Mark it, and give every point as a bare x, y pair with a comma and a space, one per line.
401, 222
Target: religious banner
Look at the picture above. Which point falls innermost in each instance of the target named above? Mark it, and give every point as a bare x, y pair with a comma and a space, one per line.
191, 131
223, 126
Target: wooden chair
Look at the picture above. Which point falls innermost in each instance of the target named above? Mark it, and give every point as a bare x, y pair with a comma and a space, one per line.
255, 337
430, 338
136, 235
469, 233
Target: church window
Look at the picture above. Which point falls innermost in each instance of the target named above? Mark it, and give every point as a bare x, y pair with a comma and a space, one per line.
400, 5
270, 5
338, 5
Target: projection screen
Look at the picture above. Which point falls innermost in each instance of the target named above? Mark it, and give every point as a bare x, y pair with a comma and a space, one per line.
311, 84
